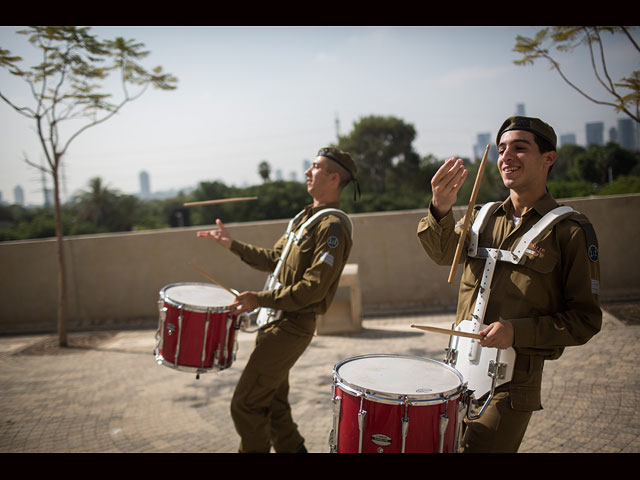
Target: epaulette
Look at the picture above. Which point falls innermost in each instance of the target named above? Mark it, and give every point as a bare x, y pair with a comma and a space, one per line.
589, 233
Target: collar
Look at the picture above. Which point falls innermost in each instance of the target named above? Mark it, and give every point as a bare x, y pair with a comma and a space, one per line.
311, 209
542, 206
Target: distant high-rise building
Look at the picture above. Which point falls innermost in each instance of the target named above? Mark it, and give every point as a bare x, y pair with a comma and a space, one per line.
278, 174
568, 139
48, 197
627, 137
145, 185
520, 110
18, 195
483, 140
595, 133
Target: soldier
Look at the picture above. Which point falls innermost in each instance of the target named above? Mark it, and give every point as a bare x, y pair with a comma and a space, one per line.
309, 277
549, 302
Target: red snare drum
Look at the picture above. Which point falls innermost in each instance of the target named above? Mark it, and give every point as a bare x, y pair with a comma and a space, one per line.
396, 404
196, 330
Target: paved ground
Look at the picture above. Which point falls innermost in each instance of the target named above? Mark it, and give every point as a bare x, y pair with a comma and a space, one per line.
113, 397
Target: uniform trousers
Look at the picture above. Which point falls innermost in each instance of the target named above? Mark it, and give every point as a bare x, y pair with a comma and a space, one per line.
500, 429
260, 407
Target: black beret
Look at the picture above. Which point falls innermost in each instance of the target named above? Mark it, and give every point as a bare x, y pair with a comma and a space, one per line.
533, 125
342, 158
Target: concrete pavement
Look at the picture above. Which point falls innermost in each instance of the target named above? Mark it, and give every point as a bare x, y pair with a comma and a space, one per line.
114, 397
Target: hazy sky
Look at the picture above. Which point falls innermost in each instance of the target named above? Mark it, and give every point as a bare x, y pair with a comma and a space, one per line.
247, 94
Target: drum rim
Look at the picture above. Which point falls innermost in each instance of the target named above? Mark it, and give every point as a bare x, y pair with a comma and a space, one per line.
397, 398
160, 360
194, 308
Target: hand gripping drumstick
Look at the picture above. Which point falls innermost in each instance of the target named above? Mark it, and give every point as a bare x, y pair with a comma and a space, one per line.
221, 200
467, 217
214, 280
448, 332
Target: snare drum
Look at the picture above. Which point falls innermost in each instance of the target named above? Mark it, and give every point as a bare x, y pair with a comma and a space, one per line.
196, 331
396, 404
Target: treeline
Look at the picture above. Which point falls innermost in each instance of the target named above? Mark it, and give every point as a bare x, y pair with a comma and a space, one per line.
392, 176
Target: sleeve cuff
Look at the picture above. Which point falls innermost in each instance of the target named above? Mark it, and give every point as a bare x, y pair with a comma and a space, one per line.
524, 334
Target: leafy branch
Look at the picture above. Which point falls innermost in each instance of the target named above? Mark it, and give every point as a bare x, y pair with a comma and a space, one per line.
625, 91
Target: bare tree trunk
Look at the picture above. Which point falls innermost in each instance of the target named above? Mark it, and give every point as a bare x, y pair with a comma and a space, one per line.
62, 283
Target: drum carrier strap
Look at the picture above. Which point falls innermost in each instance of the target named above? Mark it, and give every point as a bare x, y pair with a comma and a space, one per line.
516, 256
263, 316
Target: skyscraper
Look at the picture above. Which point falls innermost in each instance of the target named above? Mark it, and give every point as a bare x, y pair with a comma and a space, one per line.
485, 139
145, 185
627, 137
595, 133
568, 139
18, 195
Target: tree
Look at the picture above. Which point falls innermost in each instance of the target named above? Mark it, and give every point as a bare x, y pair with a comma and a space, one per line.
567, 39
564, 167
602, 164
100, 209
264, 169
379, 144
68, 88
96, 204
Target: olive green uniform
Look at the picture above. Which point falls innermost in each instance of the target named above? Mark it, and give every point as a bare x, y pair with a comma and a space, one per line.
310, 276
552, 301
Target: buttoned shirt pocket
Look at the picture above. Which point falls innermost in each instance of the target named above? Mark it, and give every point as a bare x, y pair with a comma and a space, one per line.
539, 262
299, 255
534, 282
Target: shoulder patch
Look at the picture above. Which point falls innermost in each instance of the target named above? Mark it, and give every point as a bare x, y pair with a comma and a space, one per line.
333, 241
590, 235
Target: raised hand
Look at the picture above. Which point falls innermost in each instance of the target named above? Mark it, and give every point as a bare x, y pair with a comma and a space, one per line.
221, 235
445, 185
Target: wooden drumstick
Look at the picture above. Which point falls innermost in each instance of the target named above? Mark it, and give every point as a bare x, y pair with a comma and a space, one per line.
448, 332
221, 200
214, 280
467, 217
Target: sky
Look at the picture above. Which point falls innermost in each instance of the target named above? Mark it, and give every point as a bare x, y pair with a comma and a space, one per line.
248, 94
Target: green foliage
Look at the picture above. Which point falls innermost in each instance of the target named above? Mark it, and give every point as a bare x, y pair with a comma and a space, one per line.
381, 147
578, 172
70, 87
264, 170
21, 223
623, 94
276, 200
622, 185
571, 189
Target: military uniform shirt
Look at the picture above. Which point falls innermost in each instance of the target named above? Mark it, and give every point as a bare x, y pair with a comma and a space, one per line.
552, 299
311, 272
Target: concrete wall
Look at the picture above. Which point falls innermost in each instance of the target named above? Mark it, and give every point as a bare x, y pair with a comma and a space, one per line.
114, 279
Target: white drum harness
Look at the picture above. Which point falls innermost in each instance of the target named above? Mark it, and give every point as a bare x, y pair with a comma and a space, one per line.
482, 372
263, 316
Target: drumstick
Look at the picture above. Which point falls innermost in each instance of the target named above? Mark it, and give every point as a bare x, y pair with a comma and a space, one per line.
213, 280
467, 217
221, 200
448, 332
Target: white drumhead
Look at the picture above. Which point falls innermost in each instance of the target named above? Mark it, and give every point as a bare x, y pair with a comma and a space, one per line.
399, 375
198, 294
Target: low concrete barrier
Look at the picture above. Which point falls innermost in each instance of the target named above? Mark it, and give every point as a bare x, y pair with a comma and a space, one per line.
114, 279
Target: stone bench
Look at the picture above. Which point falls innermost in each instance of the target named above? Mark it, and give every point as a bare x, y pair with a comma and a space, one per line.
345, 313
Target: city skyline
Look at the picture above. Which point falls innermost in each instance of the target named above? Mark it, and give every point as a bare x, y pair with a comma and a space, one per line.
600, 136
250, 94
